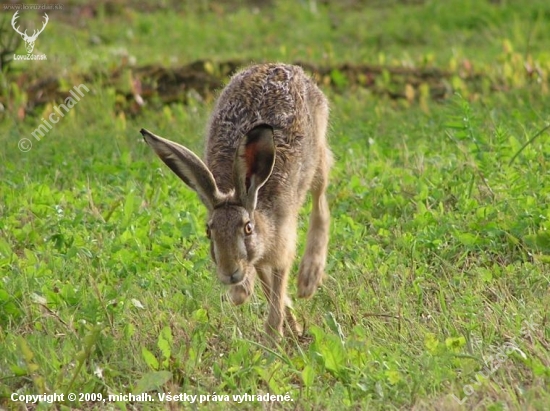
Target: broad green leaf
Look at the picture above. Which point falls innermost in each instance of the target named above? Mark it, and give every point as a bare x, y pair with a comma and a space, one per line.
308, 375
152, 381
149, 358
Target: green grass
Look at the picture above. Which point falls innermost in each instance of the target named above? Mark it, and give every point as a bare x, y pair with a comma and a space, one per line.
390, 32
438, 279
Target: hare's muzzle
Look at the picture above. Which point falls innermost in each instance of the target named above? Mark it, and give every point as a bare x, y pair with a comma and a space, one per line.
231, 277
236, 277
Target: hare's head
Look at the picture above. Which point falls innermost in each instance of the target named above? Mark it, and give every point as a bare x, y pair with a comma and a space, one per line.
237, 233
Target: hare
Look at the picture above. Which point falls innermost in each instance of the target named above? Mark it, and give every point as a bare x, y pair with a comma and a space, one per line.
265, 148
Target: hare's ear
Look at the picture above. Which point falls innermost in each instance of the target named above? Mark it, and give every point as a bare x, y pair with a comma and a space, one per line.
254, 163
187, 166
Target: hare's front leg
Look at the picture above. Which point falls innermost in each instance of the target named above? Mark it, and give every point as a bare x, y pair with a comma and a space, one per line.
275, 290
291, 321
266, 275
312, 266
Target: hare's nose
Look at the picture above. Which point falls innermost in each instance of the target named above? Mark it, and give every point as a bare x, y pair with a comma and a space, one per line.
236, 277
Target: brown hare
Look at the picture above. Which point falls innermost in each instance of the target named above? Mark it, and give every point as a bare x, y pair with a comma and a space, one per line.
265, 148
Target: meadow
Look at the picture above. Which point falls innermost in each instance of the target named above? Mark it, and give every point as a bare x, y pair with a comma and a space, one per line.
438, 280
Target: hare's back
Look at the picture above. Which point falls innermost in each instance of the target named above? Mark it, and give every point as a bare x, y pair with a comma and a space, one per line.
269, 93
275, 94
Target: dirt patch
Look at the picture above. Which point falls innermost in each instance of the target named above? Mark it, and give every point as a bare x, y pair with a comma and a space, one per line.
158, 85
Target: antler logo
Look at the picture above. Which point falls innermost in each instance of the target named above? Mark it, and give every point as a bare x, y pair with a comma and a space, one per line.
29, 40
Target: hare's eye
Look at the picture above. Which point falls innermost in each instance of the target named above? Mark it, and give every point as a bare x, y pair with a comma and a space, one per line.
248, 228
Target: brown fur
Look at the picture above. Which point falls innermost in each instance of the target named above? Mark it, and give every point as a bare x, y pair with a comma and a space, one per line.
265, 148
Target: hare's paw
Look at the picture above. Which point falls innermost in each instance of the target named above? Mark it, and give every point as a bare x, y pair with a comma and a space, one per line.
295, 328
273, 333
310, 275
240, 293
